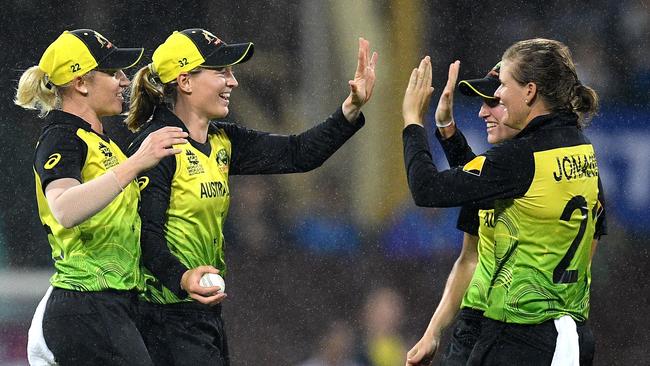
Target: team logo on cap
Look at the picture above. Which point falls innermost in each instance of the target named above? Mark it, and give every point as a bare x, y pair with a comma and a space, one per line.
475, 166
103, 41
211, 38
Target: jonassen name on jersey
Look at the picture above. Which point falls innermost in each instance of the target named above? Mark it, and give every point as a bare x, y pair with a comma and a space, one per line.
575, 167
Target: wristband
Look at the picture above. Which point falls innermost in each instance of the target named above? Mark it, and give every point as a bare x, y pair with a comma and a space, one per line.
443, 126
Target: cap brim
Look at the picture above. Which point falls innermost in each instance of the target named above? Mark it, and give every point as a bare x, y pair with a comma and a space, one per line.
229, 55
484, 87
121, 58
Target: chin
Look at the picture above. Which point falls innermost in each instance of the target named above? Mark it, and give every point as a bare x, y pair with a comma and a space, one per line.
221, 113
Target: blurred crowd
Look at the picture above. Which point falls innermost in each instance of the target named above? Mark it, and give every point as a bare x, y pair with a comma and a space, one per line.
311, 282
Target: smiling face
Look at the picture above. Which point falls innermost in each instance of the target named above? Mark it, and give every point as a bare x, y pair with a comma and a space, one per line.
105, 89
211, 90
493, 112
514, 97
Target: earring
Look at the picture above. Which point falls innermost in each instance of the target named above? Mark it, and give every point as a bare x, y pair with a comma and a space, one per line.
525, 100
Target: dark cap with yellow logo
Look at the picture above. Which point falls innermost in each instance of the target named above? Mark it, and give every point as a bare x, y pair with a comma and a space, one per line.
77, 52
185, 50
484, 87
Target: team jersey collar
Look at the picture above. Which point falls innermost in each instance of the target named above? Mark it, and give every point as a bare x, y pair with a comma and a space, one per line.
164, 116
556, 119
58, 117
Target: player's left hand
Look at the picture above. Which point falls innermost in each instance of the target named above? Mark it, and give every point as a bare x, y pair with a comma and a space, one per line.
362, 85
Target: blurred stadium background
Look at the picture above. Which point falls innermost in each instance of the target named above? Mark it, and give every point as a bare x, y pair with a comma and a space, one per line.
311, 255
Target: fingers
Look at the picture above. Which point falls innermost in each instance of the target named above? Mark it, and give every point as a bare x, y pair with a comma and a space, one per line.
362, 57
452, 77
421, 71
209, 300
428, 75
410, 356
412, 80
454, 68
373, 60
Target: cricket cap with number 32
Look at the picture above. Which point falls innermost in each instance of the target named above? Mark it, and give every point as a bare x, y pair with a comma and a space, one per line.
185, 50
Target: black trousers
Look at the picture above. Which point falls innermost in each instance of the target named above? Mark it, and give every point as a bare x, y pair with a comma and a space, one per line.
467, 329
94, 328
530, 345
181, 334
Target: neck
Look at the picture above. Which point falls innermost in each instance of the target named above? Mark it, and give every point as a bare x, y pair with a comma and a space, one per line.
84, 112
537, 109
196, 124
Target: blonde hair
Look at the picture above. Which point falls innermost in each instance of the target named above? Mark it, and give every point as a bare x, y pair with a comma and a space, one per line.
36, 92
146, 93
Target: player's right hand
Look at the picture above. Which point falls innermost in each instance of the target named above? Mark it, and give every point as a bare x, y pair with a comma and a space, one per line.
445, 110
191, 283
159, 145
422, 353
418, 93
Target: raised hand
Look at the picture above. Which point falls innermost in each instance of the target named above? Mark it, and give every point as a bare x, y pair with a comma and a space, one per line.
445, 111
418, 93
362, 85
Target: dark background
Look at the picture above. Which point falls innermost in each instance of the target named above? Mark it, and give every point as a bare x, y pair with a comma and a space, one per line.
303, 256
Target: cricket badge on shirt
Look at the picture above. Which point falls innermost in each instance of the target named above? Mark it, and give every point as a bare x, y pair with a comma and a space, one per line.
223, 160
110, 160
475, 166
193, 165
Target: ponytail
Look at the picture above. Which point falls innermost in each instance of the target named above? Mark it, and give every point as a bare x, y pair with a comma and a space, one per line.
36, 92
146, 94
584, 102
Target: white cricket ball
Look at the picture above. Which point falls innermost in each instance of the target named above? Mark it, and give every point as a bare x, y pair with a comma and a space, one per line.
213, 279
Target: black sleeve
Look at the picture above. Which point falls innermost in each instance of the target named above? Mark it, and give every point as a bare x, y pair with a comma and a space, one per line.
468, 221
255, 152
155, 192
456, 148
601, 213
60, 154
504, 171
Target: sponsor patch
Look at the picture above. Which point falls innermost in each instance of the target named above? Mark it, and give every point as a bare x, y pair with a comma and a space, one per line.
475, 166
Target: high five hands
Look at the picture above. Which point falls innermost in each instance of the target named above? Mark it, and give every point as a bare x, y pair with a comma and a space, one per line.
418, 93
445, 111
362, 85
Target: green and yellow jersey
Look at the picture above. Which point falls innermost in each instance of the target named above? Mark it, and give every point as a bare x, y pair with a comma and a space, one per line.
477, 292
473, 221
544, 188
185, 198
103, 252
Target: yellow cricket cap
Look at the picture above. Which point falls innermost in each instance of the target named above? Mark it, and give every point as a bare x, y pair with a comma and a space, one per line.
185, 50
77, 52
